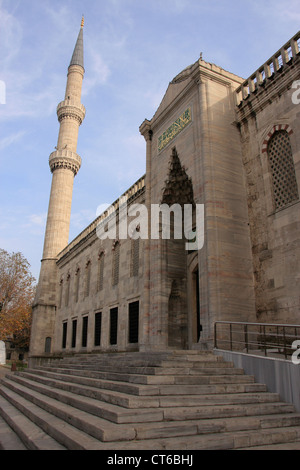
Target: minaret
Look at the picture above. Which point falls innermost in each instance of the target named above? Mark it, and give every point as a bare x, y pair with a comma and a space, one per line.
64, 164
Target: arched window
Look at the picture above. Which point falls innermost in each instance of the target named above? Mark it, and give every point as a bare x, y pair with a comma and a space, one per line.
67, 293
48, 345
77, 282
61, 285
100, 272
87, 279
282, 168
135, 257
116, 262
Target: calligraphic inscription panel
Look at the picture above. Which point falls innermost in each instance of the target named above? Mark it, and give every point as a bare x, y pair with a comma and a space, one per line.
174, 129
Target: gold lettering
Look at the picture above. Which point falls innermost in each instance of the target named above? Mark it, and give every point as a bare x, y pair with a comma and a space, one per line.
174, 129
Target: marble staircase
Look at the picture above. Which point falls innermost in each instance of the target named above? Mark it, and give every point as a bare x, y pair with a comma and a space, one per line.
187, 400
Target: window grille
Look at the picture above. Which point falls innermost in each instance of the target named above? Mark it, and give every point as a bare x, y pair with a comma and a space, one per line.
134, 322
74, 331
282, 168
64, 337
114, 325
98, 321
135, 257
48, 345
85, 321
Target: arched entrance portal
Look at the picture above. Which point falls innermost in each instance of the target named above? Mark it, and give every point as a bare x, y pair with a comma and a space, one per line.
178, 192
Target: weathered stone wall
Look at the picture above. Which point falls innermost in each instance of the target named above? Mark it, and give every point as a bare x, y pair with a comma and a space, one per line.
209, 149
113, 291
274, 231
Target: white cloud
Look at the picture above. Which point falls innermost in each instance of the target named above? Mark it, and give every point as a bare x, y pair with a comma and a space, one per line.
38, 220
81, 218
11, 139
98, 72
282, 11
11, 37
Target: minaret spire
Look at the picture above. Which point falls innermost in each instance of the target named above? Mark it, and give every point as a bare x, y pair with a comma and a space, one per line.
77, 57
64, 164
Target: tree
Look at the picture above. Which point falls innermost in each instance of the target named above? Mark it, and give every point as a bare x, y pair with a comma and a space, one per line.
17, 288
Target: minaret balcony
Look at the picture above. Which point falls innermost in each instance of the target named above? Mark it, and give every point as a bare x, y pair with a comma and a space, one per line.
64, 158
70, 109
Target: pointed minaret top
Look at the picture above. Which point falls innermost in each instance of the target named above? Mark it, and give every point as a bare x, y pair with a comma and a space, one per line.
77, 57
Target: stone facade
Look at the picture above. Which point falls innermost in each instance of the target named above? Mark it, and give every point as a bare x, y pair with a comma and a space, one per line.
269, 123
217, 141
97, 277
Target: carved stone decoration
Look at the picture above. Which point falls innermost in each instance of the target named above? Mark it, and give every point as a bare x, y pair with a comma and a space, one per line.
178, 187
69, 109
65, 159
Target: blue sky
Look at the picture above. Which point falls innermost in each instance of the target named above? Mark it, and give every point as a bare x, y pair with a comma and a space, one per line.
133, 49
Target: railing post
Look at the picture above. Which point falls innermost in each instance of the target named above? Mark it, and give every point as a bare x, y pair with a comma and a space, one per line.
265, 344
246, 336
284, 343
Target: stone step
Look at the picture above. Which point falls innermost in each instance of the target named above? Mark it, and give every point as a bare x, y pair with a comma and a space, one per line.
21, 433
213, 389
105, 432
227, 441
242, 440
65, 434
217, 425
104, 409
63, 382
159, 412
219, 399
97, 427
139, 401
143, 379
141, 358
139, 406
106, 396
188, 369
184, 379
221, 411
285, 446
9, 440
93, 378
145, 368
109, 391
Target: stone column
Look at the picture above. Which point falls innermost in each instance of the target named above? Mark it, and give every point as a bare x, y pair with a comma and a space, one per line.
145, 130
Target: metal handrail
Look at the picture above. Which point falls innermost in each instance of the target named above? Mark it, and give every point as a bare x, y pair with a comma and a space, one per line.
256, 338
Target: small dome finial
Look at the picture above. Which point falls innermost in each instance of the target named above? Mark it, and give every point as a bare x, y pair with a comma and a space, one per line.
82, 21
